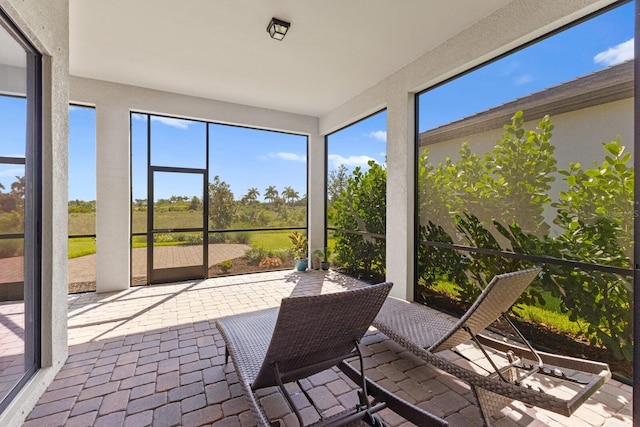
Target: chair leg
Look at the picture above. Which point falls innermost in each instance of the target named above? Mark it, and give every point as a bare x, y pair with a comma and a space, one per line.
286, 394
364, 396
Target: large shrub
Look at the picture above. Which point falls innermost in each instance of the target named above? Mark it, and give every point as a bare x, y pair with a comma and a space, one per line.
596, 214
497, 203
361, 206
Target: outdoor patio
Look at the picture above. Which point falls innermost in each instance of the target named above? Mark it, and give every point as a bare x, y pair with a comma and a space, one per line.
152, 356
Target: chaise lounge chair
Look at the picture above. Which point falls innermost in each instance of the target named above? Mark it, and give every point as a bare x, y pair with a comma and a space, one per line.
426, 333
307, 335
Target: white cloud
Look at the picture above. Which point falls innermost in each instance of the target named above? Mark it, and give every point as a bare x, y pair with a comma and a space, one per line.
510, 68
615, 55
351, 161
177, 123
288, 156
523, 79
13, 172
380, 135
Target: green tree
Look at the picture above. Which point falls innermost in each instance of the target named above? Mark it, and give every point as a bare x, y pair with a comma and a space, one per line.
14, 200
596, 214
337, 182
271, 194
222, 207
509, 184
18, 191
290, 195
195, 204
523, 167
362, 207
251, 197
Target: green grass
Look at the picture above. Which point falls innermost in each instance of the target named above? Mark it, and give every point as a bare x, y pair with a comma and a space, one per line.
545, 315
139, 242
81, 246
548, 315
270, 240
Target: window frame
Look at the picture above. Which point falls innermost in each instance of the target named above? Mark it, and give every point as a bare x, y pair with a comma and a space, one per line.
33, 210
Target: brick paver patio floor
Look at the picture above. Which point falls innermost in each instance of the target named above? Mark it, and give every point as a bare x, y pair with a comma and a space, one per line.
152, 356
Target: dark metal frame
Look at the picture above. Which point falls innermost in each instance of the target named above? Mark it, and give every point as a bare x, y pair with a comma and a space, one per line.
168, 276
91, 235
326, 185
636, 221
161, 275
176, 273
358, 233
33, 209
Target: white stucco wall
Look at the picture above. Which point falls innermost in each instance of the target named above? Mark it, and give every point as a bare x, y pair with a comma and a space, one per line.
482, 41
113, 102
45, 24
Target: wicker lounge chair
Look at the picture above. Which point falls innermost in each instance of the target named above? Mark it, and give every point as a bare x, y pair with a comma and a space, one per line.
426, 333
307, 335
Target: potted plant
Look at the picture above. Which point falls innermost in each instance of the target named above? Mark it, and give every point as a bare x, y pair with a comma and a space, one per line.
320, 259
316, 258
299, 242
325, 264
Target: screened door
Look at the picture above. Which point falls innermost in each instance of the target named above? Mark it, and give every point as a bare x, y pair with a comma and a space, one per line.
176, 237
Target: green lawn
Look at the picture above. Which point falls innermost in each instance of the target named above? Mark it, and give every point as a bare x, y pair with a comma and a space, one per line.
81, 246
549, 314
270, 240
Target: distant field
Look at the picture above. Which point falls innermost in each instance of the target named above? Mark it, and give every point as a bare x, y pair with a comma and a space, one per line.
168, 219
84, 223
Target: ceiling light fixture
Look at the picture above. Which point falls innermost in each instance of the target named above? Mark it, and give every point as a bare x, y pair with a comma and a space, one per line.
277, 29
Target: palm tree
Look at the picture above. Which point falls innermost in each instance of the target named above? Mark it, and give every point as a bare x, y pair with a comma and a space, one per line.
251, 197
271, 193
290, 195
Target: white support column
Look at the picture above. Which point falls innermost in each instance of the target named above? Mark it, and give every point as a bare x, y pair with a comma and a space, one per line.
400, 192
316, 186
113, 199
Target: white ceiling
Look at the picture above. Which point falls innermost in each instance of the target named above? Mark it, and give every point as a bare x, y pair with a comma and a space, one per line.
11, 53
220, 49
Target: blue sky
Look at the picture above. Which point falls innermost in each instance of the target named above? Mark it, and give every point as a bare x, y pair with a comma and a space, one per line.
590, 46
247, 158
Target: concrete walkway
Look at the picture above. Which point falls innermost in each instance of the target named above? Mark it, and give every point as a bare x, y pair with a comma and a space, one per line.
83, 269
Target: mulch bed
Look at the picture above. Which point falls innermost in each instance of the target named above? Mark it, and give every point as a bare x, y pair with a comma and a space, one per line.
243, 266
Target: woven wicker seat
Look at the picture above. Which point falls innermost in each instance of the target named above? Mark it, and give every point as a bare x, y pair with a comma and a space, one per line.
425, 333
307, 335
